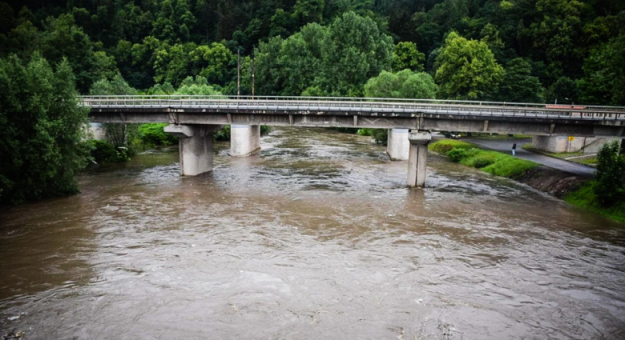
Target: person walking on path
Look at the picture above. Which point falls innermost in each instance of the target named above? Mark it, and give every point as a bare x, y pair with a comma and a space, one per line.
514, 149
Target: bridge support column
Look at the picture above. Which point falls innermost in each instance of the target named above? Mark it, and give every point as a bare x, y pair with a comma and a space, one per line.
244, 140
398, 145
196, 147
417, 159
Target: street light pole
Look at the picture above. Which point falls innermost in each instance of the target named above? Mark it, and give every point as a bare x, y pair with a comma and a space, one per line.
253, 65
238, 72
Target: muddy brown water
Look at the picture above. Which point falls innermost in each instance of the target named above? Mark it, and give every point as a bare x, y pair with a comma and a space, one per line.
316, 237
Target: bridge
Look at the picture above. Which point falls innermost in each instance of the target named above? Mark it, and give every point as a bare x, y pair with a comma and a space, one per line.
195, 118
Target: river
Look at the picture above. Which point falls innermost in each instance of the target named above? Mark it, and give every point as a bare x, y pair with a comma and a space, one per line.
317, 237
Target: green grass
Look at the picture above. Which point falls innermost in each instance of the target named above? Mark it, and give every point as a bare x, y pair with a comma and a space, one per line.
493, 162
585, 198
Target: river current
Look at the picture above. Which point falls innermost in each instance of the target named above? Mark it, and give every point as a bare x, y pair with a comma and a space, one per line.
316, 237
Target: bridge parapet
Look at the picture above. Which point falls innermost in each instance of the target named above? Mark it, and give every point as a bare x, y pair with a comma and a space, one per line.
421, 114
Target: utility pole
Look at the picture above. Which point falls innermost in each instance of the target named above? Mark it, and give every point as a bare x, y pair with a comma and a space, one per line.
253, 64
238, 72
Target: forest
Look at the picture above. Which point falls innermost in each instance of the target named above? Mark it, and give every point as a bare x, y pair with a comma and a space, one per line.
511, 50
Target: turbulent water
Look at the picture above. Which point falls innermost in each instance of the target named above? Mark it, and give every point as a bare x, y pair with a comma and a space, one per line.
316, 237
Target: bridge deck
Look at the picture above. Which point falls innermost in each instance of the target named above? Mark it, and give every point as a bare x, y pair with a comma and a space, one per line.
361, 112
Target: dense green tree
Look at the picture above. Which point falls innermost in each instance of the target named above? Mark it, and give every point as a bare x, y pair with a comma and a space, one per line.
197, 86
604, 69
143, 61
610, 182
42, 130
215, 62
563, 91
407, 56
307, 11
403, 84
355, 51
467, 69
557, 32
519, 85
337, 59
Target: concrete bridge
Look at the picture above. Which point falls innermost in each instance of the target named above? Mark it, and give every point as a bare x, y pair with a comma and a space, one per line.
195, 118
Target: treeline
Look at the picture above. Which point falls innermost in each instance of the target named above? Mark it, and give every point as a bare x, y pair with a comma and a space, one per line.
510, 50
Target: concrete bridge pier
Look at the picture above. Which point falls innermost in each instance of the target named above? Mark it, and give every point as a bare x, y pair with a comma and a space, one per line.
398, 145
417, 159
196, 147
244, 140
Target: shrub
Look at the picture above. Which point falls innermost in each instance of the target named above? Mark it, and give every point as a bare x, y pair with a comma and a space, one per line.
379, 135
483, 161
481, 158
610, 182
103, 152
457, 154
153, 135
510, 167
445, 145
223, 134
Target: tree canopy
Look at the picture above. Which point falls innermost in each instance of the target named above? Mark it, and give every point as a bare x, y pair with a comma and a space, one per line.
467, 69
573, 48
41, 142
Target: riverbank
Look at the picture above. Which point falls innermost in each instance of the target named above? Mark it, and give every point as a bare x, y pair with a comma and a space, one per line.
573, 189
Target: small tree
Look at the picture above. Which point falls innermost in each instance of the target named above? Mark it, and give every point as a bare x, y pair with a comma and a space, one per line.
610, 183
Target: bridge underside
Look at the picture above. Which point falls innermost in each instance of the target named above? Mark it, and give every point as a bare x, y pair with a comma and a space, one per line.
573, 126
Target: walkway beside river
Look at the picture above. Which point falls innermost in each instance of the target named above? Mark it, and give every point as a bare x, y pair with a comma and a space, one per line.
506, 146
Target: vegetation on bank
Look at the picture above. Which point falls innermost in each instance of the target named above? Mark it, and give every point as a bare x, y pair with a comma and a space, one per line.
606, 193
492, 162
42, 134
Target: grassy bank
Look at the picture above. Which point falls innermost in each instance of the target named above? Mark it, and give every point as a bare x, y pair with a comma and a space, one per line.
585, 198
493, 162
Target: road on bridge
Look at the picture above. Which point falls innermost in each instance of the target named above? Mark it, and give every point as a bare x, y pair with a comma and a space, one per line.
560, 164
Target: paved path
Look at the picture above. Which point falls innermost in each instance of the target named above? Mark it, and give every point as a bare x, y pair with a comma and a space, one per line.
560, 164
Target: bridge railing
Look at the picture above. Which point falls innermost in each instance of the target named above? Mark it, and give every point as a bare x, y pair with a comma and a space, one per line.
344, 104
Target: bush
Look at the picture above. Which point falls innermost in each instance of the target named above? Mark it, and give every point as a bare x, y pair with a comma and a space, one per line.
586, 198
223, 134
379, 135
445, 145
154, 135
103, 152
481, 158
265, 129
510, 167
610, 182
457, 154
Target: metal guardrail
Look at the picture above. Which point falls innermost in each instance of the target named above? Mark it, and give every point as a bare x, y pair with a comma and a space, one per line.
355, 104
